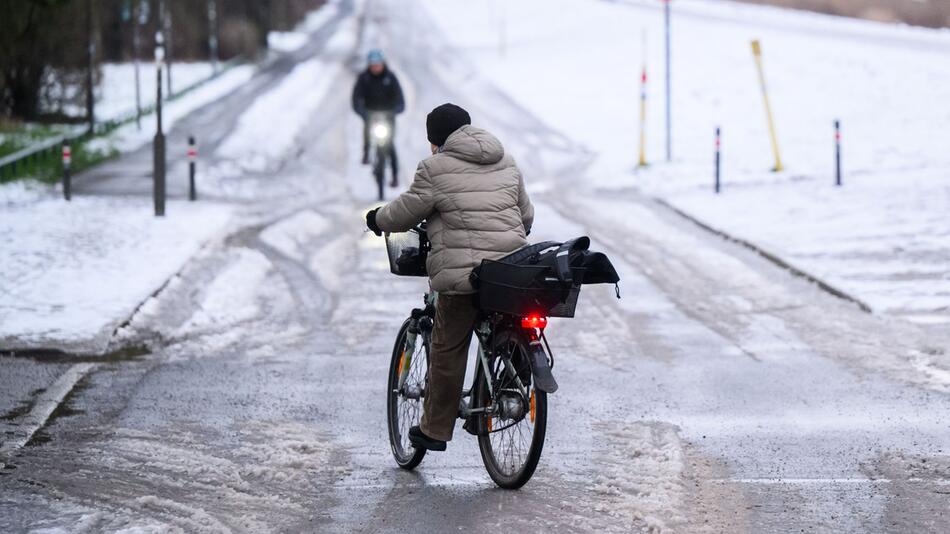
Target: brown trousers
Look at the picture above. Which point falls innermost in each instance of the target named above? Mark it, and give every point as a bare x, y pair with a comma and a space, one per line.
455, 317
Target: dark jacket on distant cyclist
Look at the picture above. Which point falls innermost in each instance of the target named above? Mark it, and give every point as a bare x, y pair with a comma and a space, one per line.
377, 93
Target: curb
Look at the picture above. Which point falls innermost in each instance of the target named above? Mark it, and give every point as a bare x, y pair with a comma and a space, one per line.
43, 408
824, 286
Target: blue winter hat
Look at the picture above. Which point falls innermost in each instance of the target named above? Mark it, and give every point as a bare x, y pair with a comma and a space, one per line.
374, 56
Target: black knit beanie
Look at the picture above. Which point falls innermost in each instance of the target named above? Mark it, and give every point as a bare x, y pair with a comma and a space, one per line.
443, 120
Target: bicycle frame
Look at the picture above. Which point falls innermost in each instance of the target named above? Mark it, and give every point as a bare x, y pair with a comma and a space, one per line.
421, 325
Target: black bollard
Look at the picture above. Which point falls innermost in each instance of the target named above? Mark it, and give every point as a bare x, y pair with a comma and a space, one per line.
717, 159
838, 153
67, 163
192, 158
158, 148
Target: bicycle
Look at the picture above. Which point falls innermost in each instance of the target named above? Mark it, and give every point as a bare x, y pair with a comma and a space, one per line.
381, 140
506, 407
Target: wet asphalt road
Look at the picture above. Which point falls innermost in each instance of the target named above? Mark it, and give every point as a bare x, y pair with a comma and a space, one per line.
720, 394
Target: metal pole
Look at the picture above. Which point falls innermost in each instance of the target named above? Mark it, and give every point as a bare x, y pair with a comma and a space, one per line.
67, 162
136, 13
158, 162
503, 30
213, 34
643, 106
167, 10
718, 158
837, 153
90, 59
192, 158
669, 121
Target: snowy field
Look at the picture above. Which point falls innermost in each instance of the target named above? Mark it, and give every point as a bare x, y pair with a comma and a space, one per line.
884, 237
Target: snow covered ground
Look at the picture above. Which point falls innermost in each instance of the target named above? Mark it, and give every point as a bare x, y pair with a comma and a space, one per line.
292, 40
884, 237
129, 137
74, 271
115, 96
77, 270
270, 127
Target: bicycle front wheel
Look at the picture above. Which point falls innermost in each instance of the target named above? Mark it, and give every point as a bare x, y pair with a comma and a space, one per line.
404, 404
379, 169
511, 438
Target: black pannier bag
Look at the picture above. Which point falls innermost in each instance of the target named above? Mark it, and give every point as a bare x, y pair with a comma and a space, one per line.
543, 278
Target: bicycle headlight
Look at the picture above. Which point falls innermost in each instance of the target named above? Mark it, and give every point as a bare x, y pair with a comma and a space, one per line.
380, 131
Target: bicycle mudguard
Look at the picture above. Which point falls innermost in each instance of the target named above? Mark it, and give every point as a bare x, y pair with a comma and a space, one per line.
540, 366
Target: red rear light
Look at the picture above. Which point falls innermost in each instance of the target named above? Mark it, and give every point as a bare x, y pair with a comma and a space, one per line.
534, 321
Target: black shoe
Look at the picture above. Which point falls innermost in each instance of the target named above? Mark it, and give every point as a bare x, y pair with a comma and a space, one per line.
365, 159
394, 183
422, 441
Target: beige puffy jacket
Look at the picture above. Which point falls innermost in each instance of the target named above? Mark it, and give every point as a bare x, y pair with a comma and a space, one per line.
473, 197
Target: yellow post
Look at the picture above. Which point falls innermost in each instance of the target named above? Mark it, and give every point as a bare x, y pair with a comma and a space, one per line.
757, 54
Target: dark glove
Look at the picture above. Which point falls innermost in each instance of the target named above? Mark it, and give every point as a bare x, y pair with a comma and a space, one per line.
371, 222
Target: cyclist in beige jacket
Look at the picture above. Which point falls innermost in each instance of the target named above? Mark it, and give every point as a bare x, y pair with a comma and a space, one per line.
473, 197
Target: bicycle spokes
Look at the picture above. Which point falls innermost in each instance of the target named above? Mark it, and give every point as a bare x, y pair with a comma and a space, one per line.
513, 411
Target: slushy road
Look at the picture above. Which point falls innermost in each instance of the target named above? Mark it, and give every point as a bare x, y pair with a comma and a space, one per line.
720, 394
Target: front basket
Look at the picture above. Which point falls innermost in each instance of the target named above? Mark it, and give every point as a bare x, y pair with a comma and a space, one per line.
407, 253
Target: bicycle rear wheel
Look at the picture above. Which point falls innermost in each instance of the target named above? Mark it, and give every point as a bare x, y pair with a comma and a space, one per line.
404, 406
510, 441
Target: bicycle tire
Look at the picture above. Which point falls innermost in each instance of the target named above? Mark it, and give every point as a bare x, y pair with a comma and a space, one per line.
517, 478
406, 459
379, 170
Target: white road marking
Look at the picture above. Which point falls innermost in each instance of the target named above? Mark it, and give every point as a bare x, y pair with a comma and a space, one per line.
938, 482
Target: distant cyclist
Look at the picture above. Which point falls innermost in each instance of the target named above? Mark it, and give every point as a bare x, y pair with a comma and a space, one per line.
377, 89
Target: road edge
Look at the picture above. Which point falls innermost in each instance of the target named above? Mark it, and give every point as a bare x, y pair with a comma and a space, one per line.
771, 257
43, 407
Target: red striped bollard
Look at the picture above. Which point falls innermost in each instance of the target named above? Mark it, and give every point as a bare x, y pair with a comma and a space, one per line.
718, 145
67, 163
838, 153
192, 158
